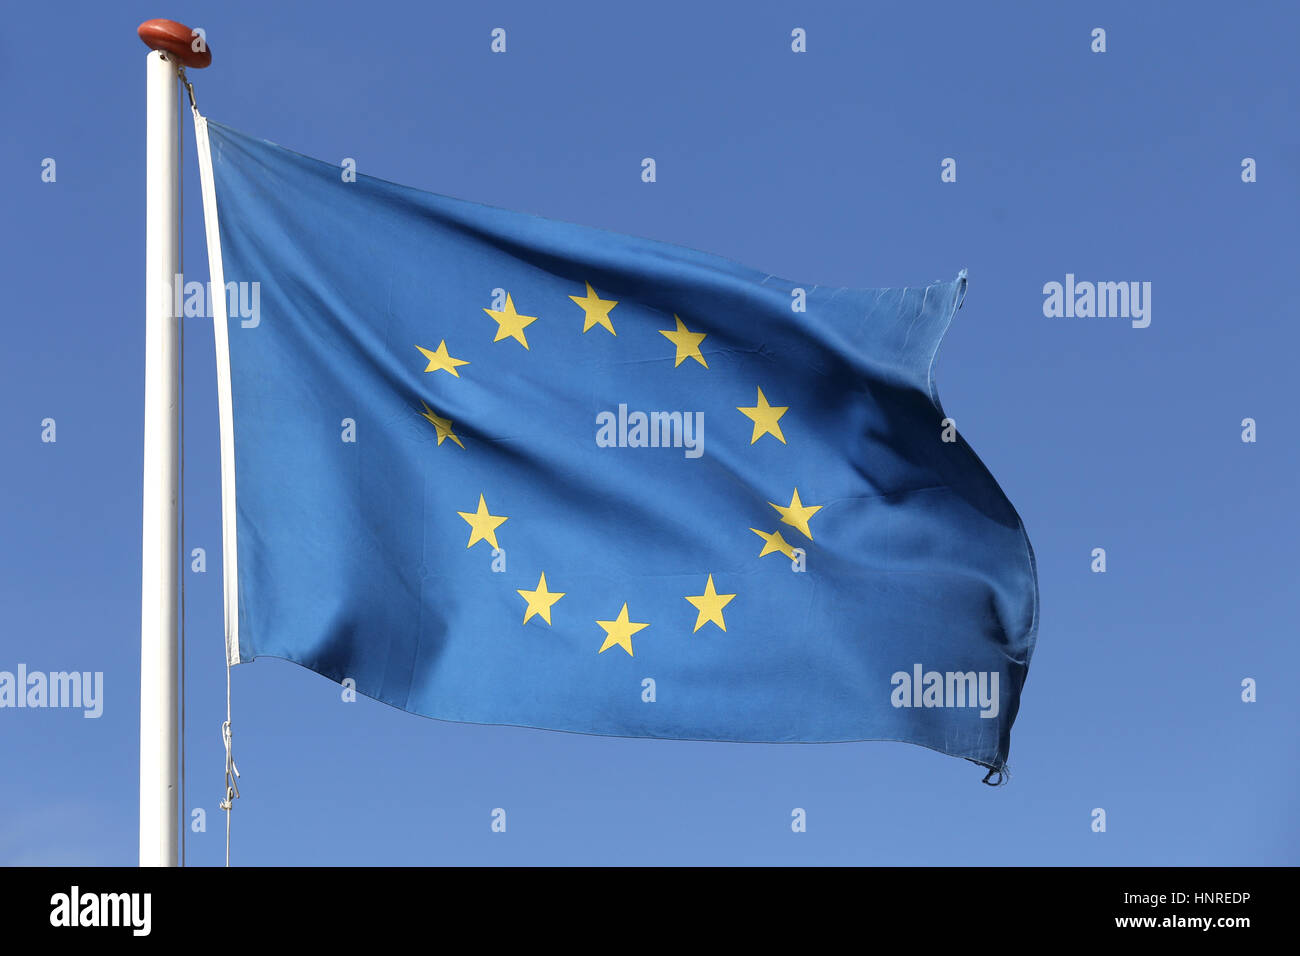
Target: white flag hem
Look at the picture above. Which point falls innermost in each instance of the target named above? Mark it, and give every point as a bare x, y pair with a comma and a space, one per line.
217, 287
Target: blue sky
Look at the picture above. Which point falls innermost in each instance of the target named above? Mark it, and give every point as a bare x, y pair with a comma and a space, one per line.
822, 167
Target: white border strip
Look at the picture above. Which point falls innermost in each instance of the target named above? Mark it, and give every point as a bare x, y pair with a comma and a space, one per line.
217, 296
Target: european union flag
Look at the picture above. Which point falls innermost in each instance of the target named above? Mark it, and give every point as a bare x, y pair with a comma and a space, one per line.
501, 469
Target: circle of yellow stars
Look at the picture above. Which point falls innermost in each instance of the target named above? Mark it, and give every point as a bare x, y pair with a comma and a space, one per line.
764, 416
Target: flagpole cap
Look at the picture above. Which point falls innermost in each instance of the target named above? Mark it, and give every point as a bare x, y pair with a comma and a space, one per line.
176, 39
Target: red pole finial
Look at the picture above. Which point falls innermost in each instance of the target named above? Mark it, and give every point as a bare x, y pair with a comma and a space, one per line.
187, 45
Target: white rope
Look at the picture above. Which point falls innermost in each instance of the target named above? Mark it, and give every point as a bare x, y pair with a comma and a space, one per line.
232, 772
180, 454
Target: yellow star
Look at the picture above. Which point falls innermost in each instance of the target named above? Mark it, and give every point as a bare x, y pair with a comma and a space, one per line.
796, 515
596, 309
483, 525
510, 324
687, 342
765, 418
774, 542
619, 631
540, 601
710, 605
441, 361
441, 425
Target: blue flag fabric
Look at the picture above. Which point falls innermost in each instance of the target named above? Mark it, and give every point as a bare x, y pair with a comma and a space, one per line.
502, 469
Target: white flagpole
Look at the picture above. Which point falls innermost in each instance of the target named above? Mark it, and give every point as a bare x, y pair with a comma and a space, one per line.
159, 690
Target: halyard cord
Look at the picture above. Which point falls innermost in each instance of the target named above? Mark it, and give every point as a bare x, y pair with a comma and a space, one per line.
232, 770
180, 484
226, 734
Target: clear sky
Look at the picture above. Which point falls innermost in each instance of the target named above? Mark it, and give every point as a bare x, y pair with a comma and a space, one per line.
822, 167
